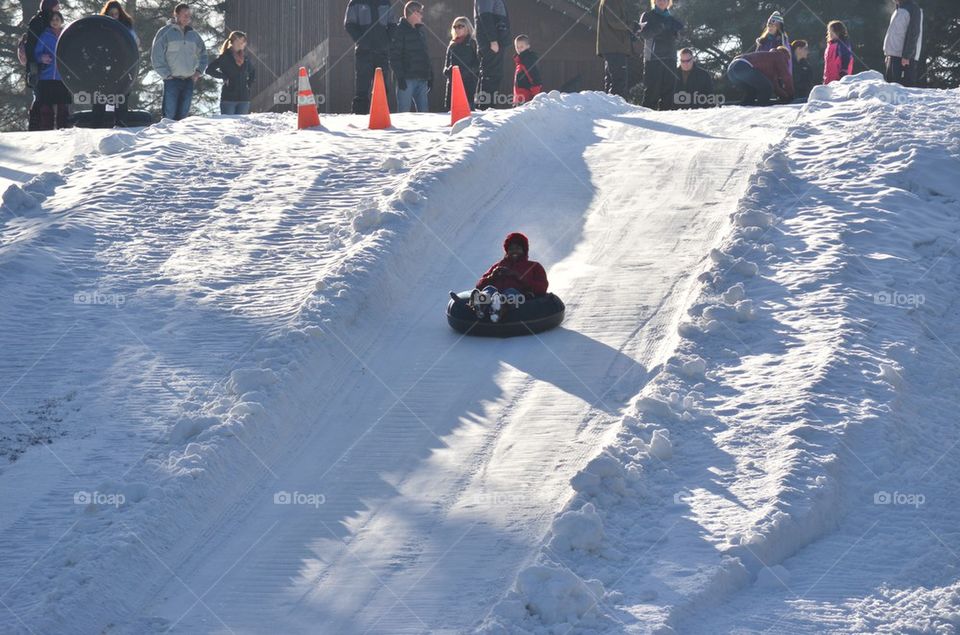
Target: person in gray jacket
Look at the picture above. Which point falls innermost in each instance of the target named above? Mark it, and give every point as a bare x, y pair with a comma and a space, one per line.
179, 56
902, 44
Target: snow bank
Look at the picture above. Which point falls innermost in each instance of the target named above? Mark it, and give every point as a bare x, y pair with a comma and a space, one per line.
741, 445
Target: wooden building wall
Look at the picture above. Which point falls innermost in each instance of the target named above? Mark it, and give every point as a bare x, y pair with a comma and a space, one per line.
287, 33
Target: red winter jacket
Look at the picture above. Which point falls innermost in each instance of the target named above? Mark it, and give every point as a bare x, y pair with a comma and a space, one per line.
523, 274
775, 66
837, 61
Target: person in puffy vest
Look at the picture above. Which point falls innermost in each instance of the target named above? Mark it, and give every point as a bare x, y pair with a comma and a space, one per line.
511, 281
236, 70
178, 56
410, 61
493, 38
370, 24
526, 81
462, 53
903, 43
659, 30
52, 96
838, 58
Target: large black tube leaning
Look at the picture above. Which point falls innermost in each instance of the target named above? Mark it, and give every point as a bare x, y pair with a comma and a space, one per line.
98, 59
533, 316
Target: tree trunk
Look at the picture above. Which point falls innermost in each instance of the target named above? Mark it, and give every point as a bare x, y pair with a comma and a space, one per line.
30, 8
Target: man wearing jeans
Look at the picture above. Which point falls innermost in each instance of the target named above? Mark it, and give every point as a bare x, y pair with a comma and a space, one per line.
410, 61
179, 56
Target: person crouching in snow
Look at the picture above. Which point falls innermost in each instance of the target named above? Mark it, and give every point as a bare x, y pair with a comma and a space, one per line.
526, 80
838, 58
510, 282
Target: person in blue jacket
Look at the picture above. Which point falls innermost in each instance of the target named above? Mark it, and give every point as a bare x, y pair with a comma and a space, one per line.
52, 96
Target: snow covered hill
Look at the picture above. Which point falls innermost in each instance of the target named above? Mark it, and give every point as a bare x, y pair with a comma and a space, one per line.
230, 403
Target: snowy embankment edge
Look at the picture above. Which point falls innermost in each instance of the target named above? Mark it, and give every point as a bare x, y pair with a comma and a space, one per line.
217, 454
813, 432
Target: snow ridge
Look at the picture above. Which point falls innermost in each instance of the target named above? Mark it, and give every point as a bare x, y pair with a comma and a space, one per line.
767, 425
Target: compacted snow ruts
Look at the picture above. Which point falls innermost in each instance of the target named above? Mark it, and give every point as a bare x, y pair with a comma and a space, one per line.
435, 457
240, 408
806, 478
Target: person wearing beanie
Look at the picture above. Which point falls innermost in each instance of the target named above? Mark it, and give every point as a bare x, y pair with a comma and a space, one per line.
774, 36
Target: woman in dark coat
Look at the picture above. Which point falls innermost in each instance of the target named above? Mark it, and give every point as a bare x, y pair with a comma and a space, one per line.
659, 29
236, 71
462, 52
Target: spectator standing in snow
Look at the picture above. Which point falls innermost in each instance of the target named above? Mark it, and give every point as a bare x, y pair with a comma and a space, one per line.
694, 87
38, 24
760, 75
838, 58
615, 45
774, 35
659, 30
462, 53
410, 61
526, 79
493, 38
121, 103
52, 96
370, 24
179, 56
236, 71
802, 72
903, 42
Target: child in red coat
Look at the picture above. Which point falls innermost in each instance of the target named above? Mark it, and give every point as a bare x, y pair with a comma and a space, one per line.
510, 281
838, 58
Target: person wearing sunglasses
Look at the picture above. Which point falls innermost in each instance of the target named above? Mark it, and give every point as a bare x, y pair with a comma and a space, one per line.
462, 53
694, 84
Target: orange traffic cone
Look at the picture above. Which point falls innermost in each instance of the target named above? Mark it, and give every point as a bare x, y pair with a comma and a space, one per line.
307, 114
379, 108
459, 105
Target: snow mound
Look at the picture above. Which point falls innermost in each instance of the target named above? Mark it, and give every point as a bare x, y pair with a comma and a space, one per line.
581, 530
116, 143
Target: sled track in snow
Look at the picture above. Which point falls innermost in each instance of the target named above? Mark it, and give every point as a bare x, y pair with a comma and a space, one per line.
442, 459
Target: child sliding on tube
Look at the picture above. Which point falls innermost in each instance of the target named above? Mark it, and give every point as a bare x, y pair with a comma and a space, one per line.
509, 282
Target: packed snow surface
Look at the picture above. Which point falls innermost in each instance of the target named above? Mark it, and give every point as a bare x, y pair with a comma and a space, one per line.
230, 403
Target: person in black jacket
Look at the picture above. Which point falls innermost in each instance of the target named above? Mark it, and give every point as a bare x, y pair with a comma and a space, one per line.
370, 24
526, 80
659, 30
694, 88
493, 38
411, 61
462, 52
38, 24
802, 71
236, 71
